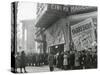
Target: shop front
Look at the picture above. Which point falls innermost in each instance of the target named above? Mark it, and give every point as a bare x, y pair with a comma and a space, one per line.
81, 31
76, 29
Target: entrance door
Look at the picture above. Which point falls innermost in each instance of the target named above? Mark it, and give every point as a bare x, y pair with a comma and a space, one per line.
57, 48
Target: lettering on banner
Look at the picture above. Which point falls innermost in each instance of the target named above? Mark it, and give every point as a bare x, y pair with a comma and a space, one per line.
83, 34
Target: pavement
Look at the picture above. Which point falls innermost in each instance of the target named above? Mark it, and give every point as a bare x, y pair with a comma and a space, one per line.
31, 69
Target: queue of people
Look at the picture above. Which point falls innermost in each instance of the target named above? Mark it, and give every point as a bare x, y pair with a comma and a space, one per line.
37, 59
71, 60
22, 60
67, 60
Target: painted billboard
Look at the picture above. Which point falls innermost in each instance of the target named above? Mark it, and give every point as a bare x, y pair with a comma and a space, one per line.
83, 34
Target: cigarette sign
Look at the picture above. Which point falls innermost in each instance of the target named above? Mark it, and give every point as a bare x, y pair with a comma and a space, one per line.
83, 34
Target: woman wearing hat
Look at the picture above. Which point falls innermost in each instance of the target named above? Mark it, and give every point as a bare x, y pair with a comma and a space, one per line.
65, 62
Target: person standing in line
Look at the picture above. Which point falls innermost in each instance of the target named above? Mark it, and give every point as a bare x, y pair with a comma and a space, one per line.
62, 59
83, 59
57, 59
72, 58
65, 63
77, 62
17, 61
34, 60
80, 59
51, 61
23, 61
68, 58
87, 60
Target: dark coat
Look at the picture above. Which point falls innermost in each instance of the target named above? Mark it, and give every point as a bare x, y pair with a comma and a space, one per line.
71, 59
18, 60
51, 60
23, 60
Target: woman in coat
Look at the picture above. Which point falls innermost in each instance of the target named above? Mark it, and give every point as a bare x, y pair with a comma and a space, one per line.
77, 63
65, 63
23, 61
51, 62
72, 60
17, 61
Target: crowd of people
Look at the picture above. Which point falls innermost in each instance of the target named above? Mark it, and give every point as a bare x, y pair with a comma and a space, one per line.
37, 59
67, 60
22, 60
71, 60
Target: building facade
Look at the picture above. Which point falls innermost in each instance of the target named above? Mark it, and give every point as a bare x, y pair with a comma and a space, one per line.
28, 35
66, 26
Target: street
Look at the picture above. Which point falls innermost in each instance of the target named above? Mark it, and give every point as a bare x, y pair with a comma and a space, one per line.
31, 69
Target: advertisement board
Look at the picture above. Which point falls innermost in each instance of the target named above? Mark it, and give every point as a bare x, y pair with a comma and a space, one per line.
54, 34
83, 34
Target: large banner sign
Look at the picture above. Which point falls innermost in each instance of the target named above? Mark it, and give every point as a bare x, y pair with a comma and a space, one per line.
54, 34
83, 34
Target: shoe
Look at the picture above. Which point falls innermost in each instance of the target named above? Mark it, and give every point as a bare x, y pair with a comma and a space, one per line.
25, 71
21, 72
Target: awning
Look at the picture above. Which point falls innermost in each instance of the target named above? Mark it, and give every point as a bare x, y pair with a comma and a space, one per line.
49, 15
52, 12
46, 20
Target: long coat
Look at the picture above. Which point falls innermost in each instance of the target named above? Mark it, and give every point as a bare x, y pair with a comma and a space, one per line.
77, 63
72, 59
23, 60
65, 60
18, 61
51, 60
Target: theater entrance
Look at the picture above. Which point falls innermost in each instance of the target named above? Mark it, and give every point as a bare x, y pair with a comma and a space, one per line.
59, 48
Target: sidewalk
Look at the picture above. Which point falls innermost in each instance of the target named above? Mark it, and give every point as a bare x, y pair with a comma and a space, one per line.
31, 69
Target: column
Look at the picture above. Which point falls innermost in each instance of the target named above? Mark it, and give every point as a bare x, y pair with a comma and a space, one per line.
23, 37
67, 36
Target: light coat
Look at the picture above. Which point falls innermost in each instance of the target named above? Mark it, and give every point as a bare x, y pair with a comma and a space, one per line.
65, 60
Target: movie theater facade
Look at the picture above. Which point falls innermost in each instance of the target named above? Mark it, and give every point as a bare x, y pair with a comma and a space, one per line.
65, 27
